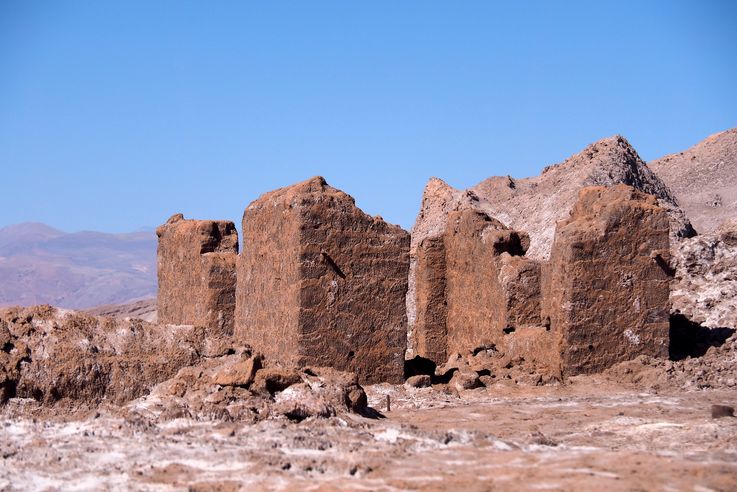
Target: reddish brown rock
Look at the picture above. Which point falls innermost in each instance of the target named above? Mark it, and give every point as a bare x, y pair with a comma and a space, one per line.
430, 334
241, 373
322, 283
473, 287
426, 264
196, 268
491, 290
607, 295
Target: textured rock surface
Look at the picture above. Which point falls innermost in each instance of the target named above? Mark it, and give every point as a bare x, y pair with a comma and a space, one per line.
53, 355
473, 287
704, 179
426, 253
196, 267
485, 298
607, 297
705, 290
322, 283
535, 204
429, 336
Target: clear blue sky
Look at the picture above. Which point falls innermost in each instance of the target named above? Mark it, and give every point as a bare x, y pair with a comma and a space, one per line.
114, 116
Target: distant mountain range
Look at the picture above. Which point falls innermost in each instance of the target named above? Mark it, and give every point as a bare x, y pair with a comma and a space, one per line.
40, 264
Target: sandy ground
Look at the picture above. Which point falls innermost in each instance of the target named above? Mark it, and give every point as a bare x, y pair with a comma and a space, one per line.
577, 437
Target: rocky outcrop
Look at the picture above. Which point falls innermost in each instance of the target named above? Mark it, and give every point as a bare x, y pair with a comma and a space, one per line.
196, 268
321, 283
52, 355
425, 295
486, 299
705, 290
535, 204
704, 180
429, 336
607, 291
472, 286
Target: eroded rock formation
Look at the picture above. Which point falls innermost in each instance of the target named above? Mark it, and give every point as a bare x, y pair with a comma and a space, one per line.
322, 283
484, 295
601, 299
197, 277
535, 204
607, 293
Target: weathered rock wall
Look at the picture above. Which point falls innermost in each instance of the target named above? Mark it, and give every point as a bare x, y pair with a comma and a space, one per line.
346, 275
431, 331
473, 286
607, 295
480, 306
269, 286
196, 269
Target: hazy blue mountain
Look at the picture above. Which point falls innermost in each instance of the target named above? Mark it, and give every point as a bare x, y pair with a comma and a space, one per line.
40, 264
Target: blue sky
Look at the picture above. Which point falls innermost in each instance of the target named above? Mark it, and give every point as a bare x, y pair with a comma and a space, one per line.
115, 115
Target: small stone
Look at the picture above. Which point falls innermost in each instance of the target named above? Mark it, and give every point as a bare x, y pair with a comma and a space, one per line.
419, 381
241, 373
718, 411
273, 380
487, 380
464, 380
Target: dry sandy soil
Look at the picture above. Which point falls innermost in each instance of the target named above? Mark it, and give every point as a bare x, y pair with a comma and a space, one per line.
591, 434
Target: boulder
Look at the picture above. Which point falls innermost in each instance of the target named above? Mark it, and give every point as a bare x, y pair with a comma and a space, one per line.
465, 380
419, 381
275, 379
242, 373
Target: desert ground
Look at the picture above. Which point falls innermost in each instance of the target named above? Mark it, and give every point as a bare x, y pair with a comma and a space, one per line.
589, 434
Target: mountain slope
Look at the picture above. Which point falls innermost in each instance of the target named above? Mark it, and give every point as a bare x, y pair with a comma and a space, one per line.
39, 264
704, 179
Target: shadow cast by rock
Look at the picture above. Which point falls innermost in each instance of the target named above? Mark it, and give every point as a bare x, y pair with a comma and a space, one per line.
690, 339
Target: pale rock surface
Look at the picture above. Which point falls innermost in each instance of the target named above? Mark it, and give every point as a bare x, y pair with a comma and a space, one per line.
705, 290
704, 180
